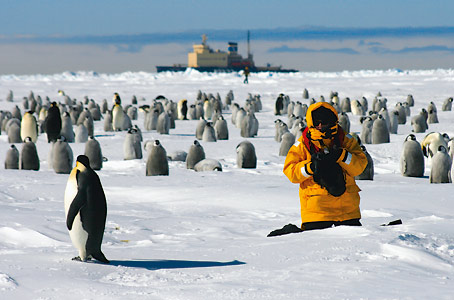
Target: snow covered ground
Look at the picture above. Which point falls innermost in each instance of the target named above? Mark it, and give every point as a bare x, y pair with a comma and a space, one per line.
202, 235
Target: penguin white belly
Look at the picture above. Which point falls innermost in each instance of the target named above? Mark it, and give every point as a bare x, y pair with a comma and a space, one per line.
77, 234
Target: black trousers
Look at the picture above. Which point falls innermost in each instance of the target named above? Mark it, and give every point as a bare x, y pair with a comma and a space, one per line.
328, 224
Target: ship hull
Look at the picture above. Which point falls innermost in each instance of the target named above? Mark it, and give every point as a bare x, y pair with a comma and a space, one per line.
224, 70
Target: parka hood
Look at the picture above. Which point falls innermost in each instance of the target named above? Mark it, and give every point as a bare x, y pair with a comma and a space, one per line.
314, 107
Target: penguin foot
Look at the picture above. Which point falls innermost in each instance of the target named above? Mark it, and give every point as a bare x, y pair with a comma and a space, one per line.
77, 258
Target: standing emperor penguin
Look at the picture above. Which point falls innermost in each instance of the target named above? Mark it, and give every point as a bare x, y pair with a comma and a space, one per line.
209, 134
118, 116
132, 148
441, 166
53, 123
195, 154
288, 139
447, 104
412, 158
94, 153
182, 108
85, 210
29, 159
157, 163
67, 128
419, 122
12, 158
344, 121
279, 105
62, 157
245, 155
432, 142
221, 128
29, 127
81, 134
200, 128
380, 132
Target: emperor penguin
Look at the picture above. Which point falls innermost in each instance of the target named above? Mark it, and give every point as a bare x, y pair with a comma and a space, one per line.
221, 129
240, 115
53, 123
245, 155
200, 128
163, 126
29, 159
157, 163
208, 164
62, 157
432, 118
208, 109
16, 113
104, 106
380, 132
393, 122
14, 134
86, 211
182, 108
432, 142
132, 148
447, 104
29, 127
108, 121
344, 121
288, 139
419, 123
94, 153
402, 116
364, 104
305, 94
440, 171
67, 128
10, 96
279, 105
196, 153
12, 158
412, 158
410, 100
117, 117
346, 105
81, 135
209, 135
366, 132
246, 125
357, 108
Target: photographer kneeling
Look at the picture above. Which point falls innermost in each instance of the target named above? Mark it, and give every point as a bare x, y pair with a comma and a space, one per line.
324, 162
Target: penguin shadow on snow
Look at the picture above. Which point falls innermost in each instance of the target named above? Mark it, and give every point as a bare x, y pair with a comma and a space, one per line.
172, 264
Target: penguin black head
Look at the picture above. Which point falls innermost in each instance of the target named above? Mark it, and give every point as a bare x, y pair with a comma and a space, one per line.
83, 160
27, 139
157, 143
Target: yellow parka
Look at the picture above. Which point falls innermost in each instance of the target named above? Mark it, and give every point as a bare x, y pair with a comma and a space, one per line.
316, 203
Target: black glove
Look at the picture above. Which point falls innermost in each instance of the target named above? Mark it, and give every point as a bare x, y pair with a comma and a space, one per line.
335, 153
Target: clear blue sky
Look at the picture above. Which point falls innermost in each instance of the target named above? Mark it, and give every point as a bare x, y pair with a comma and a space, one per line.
111, 17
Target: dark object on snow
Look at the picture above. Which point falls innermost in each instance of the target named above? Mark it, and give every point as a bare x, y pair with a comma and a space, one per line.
289, 228
395, 222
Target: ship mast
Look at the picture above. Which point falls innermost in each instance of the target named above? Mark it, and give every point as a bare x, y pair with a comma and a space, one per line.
248, 45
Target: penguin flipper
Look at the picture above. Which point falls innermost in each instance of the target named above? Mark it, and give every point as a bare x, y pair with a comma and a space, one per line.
79, 201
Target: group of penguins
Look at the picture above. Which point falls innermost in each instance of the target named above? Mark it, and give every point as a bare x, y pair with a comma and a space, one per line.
377, 125
58, 120
85, 202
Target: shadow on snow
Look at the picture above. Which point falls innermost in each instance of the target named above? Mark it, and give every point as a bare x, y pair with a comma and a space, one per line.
172, 264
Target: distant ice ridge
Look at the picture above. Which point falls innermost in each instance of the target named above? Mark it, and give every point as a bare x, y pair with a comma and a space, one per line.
192, 73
